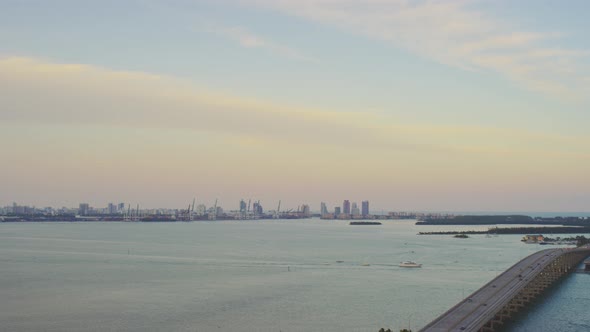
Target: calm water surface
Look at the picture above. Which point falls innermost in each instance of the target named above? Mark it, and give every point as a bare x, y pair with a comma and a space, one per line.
253, 276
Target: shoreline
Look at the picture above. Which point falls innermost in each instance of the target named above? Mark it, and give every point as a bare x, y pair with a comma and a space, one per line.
517, 231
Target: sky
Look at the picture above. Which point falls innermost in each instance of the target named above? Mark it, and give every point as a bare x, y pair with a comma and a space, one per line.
426, 105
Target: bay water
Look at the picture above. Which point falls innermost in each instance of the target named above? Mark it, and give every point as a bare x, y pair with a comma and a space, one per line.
270, 275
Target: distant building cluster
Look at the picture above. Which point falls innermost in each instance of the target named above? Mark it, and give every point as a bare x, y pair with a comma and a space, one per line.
257, 212
126, 212
246, 210
16, 209
84, 209
348, 211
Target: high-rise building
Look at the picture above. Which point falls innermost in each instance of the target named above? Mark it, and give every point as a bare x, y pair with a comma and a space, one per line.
336, 211
242, 206
83, 209
323, 209
305, 210
365, 208
19, 209
346, 207
112, 208
257, 208
355, 210
121, 207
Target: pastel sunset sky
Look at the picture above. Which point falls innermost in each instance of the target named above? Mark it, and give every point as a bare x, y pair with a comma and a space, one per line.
467, 105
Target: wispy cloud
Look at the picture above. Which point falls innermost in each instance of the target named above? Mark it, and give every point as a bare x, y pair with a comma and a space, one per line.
241, 35
248, 39
455, 33
142, 131
88, 95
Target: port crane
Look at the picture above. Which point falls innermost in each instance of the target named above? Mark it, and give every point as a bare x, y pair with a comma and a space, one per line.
257, 208
214, 217
278, 214
192, 210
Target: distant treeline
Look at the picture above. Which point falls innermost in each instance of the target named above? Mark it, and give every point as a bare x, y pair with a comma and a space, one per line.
519, 230
506, 220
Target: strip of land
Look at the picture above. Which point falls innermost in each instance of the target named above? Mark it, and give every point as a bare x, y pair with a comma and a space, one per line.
518, 230
505, 220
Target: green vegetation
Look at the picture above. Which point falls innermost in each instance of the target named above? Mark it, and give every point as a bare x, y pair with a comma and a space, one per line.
581, 240
520, 230
506, 220
479, 220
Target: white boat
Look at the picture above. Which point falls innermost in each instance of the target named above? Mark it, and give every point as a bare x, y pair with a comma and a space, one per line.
409, 264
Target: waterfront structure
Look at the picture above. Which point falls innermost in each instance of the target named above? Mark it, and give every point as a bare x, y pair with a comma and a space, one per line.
533, 238
343, 216
365, 208
346, 207
337, 211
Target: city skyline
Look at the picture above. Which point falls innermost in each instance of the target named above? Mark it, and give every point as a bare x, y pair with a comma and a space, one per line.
243, 205
200, 207
411, 105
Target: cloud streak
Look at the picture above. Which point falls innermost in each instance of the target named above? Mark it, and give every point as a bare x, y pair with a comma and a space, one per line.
89, 127
88, 95
454, 33
248, 39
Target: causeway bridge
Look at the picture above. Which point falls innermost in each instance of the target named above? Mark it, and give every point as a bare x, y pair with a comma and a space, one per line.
488, 308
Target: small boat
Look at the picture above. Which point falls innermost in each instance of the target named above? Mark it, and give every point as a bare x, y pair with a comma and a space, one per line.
409, 264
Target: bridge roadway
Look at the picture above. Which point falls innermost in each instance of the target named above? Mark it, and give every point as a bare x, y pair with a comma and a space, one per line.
480, 307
